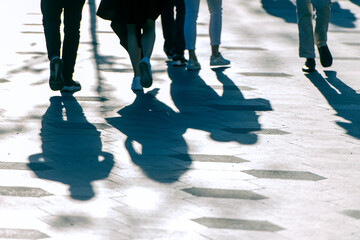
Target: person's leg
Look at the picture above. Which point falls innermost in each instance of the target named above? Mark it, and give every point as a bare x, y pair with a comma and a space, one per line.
179, 26
191, 14
322, 19
323, 11
215, 9
133, 48
72, 18
305, 25
148, 38
51, 10
168, 27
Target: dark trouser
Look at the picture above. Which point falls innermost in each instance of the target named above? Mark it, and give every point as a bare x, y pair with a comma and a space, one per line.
173, 29
52, 10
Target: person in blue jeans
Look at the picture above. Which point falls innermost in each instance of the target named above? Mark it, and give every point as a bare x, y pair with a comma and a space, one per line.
173, 31
62, 67
215, 26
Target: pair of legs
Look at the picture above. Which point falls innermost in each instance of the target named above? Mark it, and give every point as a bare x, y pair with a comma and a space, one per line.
137, 50
191, 15
308, 36
52, 11
173, 27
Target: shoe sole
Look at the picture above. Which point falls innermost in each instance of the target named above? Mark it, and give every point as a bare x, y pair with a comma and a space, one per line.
56, 82
70, 89
146, 78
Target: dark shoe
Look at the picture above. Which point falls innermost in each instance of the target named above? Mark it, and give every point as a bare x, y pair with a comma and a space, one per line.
169, 53
178, 60
71, 86
309, 65
56, 80
325, 56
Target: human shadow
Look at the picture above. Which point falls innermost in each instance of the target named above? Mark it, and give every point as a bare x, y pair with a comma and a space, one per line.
71, 149
342, 17
284, 9
155, 127
356, 2
227, 117
342, 98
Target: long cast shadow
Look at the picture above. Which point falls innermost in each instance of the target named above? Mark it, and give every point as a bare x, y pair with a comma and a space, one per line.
342, 17
284, 9
342, 98
229, 117
154, 127
71, 149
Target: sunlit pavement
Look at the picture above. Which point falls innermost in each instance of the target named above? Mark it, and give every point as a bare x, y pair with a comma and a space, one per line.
255, 151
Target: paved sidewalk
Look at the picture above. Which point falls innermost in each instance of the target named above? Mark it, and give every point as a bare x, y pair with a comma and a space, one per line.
255, 151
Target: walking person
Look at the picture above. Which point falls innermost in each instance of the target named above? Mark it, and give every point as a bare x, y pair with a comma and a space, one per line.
62, 67
173, 31
134, 24
191, 15
309, 37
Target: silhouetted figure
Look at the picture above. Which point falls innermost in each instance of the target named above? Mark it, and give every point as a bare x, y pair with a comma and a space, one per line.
62, 67
134, 23
173, 31
191, 15
308, 37
71, 149
342, 98
158, 130
202, 108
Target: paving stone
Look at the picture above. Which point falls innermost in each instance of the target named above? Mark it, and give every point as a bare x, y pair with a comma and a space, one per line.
352, 213
240, 224
23, 192
7, 233
286, 175
210, 158
265, 74
24, 166
224, 193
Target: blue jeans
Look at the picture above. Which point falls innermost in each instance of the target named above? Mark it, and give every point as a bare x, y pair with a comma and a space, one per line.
308, 36
191, 14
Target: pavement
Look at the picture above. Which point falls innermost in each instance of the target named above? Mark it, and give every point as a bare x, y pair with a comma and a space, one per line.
258, 150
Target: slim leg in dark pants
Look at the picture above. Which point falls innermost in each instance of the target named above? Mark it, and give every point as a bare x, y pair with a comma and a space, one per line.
52, 10
173, 29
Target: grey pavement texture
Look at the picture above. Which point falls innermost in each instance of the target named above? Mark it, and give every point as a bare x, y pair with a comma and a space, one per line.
259, 150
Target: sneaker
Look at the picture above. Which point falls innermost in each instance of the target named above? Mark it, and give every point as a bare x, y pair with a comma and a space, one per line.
146, 75
309, 65
178, 60
325, 56
193, 65
136, 85
71, 86
218, 61
56, 80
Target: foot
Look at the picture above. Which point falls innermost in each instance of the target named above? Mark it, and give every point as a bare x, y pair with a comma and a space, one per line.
178, 60
325, 56
169, 53
309, 65
136, 85
56, 80
71, 86
218, 61
193, 65
146, 74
